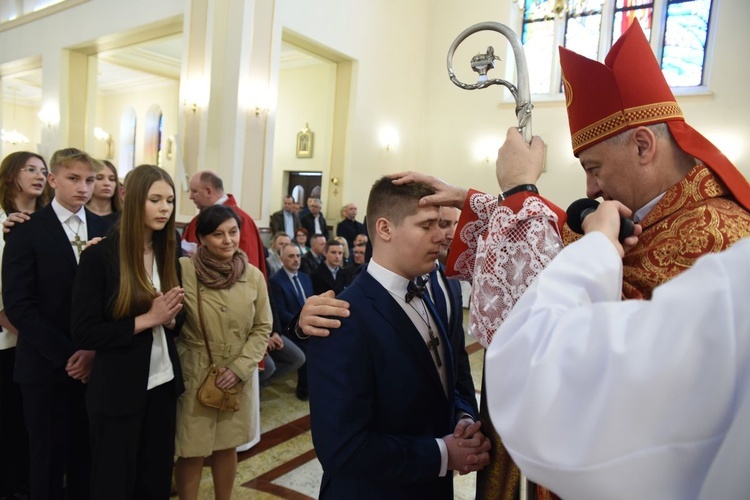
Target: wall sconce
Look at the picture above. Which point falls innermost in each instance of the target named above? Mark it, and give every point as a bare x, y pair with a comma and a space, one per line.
168, 147
103, 136
194, 95
335, 181
49, 115
486, 150
389, 138
255, 96
193, 106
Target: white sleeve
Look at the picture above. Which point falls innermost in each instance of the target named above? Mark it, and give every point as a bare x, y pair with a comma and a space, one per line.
598, 398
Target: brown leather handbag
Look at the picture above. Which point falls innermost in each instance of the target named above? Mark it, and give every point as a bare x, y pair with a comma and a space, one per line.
208, 393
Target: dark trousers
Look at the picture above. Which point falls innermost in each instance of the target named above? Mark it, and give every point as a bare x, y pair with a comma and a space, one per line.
282, 361
55, 416
133, 454
302, 371
14, 443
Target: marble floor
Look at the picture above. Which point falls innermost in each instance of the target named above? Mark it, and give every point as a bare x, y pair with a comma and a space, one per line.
283, 463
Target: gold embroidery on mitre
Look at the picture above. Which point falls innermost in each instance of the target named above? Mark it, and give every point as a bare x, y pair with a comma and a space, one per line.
568, 89
620, 120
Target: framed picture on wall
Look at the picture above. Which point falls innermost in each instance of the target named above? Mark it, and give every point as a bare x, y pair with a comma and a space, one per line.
305, 143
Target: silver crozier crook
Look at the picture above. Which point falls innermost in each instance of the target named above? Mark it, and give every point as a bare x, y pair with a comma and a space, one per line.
482, 63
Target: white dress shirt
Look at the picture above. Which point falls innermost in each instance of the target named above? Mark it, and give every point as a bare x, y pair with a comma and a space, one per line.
72, 228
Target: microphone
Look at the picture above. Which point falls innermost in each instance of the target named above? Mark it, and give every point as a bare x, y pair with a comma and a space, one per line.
580, 209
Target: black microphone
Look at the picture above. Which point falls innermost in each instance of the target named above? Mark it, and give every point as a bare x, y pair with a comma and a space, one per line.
580, 209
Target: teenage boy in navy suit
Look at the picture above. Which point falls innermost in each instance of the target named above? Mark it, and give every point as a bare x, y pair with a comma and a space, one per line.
387, 421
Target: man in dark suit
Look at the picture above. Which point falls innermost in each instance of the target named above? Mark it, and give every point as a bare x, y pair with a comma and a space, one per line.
39, 265
288, 289
314, 221
330, 275
358, 259
387, 421
315, 257
454, 307
349, 227
285, 220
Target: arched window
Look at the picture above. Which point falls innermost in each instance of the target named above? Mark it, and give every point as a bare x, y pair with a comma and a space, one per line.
677, 29
127, 141
152, 135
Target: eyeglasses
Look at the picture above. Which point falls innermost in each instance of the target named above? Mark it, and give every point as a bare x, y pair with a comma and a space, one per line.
35, 170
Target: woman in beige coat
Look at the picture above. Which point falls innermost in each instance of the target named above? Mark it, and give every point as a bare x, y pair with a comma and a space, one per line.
237, 316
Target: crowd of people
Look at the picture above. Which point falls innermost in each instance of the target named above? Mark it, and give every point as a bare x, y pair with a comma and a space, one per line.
116, 334
111, 320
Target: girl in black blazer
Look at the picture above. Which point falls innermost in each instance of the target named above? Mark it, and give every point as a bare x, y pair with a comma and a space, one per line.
126, 305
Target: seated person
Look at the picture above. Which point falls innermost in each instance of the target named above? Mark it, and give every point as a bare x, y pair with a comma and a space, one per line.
330, 275
289, 289
282, 356
278, 241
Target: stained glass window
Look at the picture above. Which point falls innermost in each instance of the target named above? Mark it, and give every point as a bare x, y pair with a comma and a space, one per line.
685, 37
677, 29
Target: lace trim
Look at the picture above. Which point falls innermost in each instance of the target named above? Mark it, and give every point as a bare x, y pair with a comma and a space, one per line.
508, 259
482, 205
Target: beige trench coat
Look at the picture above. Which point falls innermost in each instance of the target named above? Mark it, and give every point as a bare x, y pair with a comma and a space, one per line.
238, 321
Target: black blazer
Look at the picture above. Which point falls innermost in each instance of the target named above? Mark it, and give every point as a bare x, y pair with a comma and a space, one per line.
308, 222
39, 266
322, 280
119, 377
309, 263
276, 222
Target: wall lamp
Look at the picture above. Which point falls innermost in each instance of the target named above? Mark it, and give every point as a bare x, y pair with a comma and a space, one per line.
103, 136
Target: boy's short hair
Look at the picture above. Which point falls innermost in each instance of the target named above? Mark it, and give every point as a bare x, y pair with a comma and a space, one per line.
64, 157
394, 201
332, 243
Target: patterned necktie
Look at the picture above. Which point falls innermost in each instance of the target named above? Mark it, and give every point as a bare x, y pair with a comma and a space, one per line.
415, 290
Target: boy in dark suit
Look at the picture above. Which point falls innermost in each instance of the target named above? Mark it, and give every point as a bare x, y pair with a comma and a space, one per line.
330, 275
387, 421
39, 264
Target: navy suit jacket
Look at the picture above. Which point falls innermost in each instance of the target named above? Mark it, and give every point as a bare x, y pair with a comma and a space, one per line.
281, 289
464, 380
377, 403
39, 266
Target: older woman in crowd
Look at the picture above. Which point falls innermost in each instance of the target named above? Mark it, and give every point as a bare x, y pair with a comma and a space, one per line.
300, 239
237, 317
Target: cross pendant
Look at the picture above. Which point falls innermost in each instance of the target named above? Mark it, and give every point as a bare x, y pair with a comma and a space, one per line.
433, 344
78, 243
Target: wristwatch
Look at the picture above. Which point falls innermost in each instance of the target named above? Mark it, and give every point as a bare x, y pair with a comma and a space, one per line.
518, 189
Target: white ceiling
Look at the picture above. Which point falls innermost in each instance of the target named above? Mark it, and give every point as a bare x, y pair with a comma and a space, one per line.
133, 68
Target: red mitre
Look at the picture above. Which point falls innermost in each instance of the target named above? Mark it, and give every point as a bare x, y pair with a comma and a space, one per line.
627, 91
